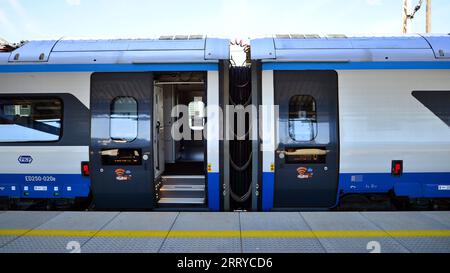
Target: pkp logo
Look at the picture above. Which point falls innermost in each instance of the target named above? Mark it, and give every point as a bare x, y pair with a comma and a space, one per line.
25, 159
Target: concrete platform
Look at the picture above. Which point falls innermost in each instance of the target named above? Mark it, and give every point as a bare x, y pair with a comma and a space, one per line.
168, 232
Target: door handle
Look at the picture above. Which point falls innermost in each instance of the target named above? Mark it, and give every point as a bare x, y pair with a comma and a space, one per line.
301, 152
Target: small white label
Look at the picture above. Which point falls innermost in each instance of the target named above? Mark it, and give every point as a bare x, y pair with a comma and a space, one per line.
13, 188
444, 187
25, 188
56, 189
69, 188
40, 188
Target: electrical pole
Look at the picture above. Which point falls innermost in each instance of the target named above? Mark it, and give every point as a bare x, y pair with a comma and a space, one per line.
428, 27
405, 16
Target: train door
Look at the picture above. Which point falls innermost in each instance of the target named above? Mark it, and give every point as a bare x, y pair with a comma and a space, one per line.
307, 158
121, 143
159, 128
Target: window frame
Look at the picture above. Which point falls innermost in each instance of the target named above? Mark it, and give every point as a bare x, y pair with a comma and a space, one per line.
315, 124
32, 97
122, 140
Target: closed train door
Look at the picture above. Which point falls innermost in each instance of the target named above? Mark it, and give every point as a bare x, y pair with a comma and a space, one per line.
307, 158
121, 152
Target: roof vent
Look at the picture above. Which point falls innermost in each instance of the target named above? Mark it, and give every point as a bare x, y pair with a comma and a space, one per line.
166, 38
181, 37
283, 36
336, 36
312, 36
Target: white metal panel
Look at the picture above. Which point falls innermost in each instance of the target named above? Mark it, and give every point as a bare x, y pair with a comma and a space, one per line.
4, 57
217, 49
127, 45
356, 49
268, 122
214, 120
46, 159
399, 42
354, 55
381, 121
312, 43
440, 45
128, 57
263, 48
401, 55
33, 51
77, 84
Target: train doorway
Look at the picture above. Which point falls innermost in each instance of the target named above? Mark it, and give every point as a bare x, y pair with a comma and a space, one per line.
121, 147
179, 140
307, 158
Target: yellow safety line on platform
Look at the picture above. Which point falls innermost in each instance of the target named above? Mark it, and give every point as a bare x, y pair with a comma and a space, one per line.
227, 233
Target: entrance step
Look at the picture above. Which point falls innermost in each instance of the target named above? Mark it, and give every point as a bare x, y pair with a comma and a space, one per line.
183, 179
182, 201
182, 190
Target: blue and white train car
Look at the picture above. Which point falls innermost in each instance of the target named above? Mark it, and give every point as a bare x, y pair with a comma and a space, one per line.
94, 116
361, 116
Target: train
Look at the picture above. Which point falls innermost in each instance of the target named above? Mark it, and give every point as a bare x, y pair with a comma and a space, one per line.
309, 123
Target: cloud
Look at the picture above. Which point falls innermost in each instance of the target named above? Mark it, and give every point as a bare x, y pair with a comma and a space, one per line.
73, 2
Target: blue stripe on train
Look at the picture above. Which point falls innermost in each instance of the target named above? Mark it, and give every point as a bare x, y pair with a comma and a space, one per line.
214, 191
356, 65
31, 68
268, 182
44, 185
413, 185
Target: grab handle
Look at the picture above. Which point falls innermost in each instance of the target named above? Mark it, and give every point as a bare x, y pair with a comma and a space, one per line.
301, 152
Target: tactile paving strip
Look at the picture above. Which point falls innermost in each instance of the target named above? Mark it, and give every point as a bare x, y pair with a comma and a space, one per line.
133, 221
122, 245
42, 244
413, 221
281, 245
352, 221
22, 220
202, 245
288, 221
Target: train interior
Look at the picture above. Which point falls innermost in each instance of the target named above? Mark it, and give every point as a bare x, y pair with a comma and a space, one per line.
180, 150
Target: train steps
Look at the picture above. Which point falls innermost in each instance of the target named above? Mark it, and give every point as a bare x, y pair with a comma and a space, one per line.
182, 190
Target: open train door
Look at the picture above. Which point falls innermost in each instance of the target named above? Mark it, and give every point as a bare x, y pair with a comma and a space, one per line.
121, 144
307, 158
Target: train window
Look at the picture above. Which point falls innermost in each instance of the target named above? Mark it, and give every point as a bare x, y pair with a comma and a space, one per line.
30, 119
124, 119
197, 114
302, 118
437, 102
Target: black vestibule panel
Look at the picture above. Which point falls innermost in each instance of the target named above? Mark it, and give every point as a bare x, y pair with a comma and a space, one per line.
121, 147
307, 158
437, 102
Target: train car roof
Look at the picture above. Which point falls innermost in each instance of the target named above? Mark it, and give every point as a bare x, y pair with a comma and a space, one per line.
340, 48
166, 49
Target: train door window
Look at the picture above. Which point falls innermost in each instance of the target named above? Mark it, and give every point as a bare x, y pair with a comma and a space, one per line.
197, 114
124, 119
29, 119
302, 118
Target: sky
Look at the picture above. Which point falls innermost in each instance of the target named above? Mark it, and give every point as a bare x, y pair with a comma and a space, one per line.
242, 19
